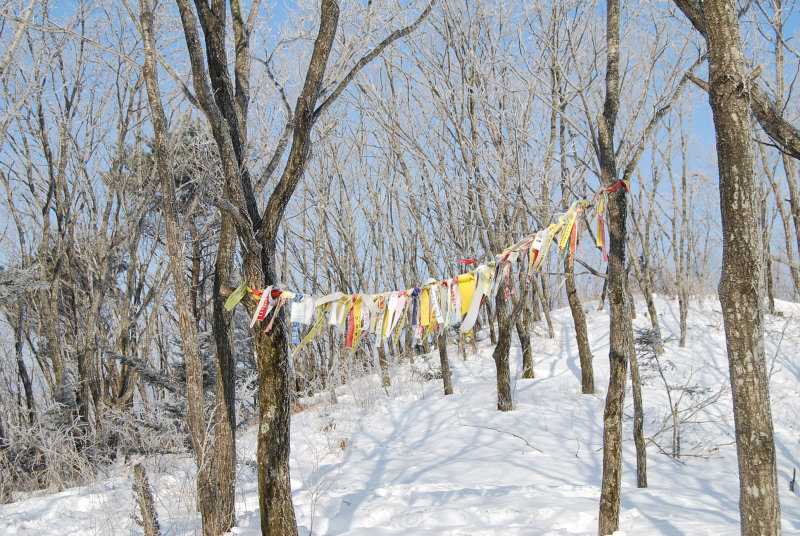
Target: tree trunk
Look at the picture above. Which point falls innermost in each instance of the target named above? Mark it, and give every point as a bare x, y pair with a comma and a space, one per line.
644, 276
543, 292
430, 261
272, 356
638, 413
447, 378
682, 258
603, 294
581, 333
384, 365
790, 168
144, 498
683, 313
225, 388
274, 398
206, 496
225, 107
524, 333
500, 355
789, 164
742, 271
408, 343
535, 305
765, 239
617, 294
578, 316
629, 292
22, 370
653, 312
329, 378
490, 320
506, 321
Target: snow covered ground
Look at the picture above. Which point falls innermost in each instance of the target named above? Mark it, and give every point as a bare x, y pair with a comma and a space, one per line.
408, 460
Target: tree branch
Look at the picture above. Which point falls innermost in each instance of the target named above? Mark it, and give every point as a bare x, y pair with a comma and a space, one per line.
391, 38
591, 270
658, 115
764, 108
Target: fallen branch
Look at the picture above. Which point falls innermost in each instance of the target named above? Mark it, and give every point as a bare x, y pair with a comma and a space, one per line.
504, 432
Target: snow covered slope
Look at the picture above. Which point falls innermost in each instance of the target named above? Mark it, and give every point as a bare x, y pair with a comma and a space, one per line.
408, 460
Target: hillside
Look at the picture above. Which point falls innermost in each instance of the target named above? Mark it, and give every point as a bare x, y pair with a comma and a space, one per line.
408, 460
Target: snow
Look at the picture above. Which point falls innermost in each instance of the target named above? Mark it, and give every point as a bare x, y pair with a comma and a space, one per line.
408, 460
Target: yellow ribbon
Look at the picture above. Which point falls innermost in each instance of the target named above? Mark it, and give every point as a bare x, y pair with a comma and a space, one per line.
571, 217
323, 310
466, 287
425, 307
236, 296
599, 226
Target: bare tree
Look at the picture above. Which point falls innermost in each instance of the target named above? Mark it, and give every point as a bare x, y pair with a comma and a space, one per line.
740, 288
225, 108
620, 336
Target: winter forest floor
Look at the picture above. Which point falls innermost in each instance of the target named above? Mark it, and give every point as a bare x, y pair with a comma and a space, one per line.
408, 460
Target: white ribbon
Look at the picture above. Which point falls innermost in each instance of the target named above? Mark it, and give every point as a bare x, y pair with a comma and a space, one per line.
261, 303
483, 284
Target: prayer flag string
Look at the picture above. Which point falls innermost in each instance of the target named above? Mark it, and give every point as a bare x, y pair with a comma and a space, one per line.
437, 304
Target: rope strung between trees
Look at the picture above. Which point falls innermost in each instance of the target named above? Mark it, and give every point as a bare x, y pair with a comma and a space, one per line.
436, 303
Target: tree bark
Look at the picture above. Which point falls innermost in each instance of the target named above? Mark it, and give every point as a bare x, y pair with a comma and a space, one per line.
765, 244
447, 377
500, 355
645, 278
384, 365
789, 164
506, 321
543, 293
274, 398
225, 107
617, 295
272, 358
490, 320
22, 370
524, 333
578, 316
144, 498
742, 270
428, 257
581, 333
206, 496
225, 388
682, 275
638, 413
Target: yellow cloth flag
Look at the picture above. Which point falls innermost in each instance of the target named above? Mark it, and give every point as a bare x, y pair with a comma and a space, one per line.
357, 313
599, 211
568, 230
425, 306
466, 287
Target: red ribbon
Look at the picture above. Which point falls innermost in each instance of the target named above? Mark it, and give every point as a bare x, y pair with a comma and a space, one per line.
275, 313
573, 237
351, 326
620, 184
603, 238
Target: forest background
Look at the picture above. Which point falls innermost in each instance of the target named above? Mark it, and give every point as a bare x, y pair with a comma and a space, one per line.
137, 194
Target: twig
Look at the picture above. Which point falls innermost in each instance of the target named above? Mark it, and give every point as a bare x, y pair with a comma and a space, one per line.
504, 432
